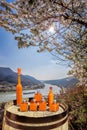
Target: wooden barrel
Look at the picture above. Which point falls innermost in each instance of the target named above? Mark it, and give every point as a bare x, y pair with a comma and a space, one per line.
15, 120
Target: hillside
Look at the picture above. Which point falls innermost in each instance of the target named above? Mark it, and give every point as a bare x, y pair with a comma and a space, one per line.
8, 78
66, 82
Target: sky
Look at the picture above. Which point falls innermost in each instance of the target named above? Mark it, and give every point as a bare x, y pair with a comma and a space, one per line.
42, 66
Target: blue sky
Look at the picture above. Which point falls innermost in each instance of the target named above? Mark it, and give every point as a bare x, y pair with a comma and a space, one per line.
39, 65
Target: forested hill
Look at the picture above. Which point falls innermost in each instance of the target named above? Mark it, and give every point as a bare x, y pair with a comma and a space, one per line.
8, 76
66, 82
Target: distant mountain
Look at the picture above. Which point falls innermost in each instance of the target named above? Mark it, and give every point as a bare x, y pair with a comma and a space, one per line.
66, 82
32, 79
8, 76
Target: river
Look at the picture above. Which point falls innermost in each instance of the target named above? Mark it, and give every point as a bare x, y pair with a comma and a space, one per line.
7, 96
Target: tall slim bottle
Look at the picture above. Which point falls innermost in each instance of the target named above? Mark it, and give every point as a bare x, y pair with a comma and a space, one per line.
19, 89
50, 96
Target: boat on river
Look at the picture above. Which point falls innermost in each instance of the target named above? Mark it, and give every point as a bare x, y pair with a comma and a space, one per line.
25, 93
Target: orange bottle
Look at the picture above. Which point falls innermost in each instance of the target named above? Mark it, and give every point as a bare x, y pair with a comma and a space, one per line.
33, 105
19, 89
50, 97
54, 106
42, 105
24, 106
38, 96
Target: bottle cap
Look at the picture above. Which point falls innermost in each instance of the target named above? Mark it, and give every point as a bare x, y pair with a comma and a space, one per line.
54, 101
19, 71
50, 87
38, 91
34, 100
43, 99
24, 101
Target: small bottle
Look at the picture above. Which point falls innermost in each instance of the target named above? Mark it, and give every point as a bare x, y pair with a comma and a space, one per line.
33, 105
38, 96
50, 96
54, 106
24, 106
42, 105
19, 89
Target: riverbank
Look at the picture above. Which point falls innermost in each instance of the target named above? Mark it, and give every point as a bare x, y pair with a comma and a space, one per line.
11, 95
13, 88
